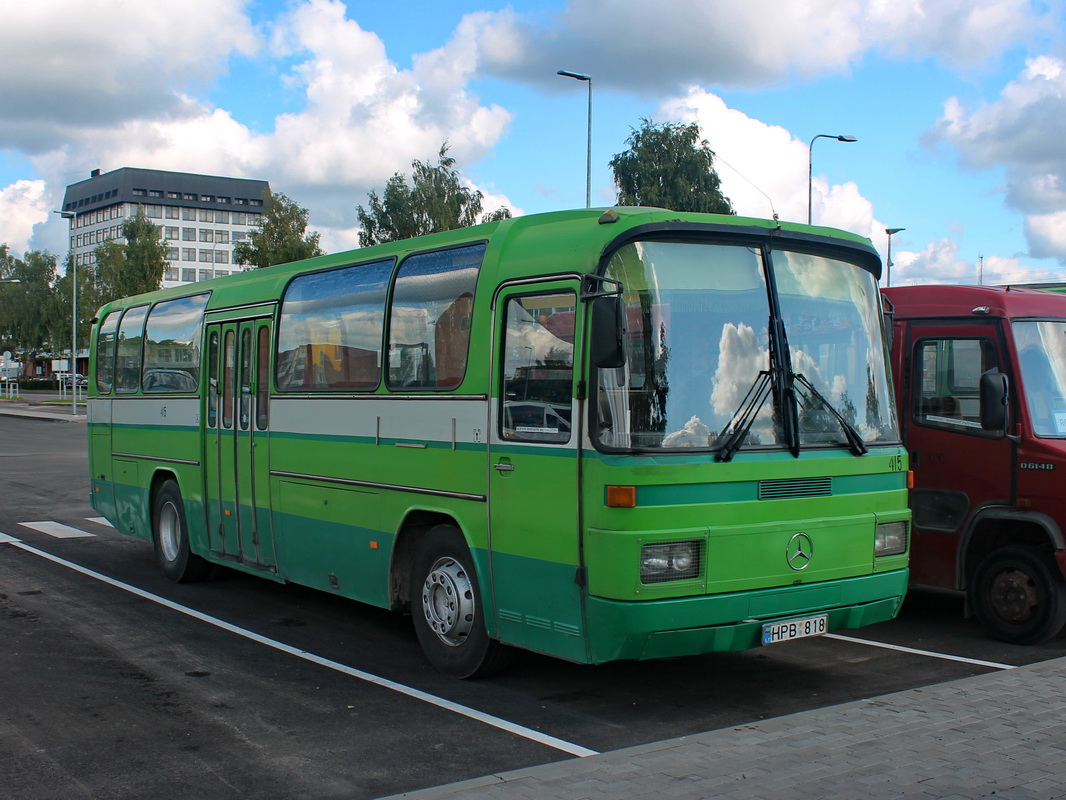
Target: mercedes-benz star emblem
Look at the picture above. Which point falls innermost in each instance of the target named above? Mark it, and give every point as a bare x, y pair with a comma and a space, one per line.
799, 552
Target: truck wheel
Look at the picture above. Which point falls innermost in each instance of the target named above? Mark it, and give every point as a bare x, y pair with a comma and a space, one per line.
1018, 596
171, 535
447, 610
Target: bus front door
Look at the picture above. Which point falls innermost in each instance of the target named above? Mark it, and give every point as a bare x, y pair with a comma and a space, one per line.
534, 448
236, 427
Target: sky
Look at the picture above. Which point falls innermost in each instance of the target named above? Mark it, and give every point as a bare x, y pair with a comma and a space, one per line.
958, 108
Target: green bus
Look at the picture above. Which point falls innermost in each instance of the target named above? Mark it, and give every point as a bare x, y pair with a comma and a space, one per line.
600, 434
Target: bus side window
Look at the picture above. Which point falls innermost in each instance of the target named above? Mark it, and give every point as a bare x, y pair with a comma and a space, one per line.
262, 378
130, 346
105, 353
228, 358
538, 369
429, 325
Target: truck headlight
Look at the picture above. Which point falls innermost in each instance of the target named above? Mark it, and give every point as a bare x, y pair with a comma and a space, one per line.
890, 539
670, 561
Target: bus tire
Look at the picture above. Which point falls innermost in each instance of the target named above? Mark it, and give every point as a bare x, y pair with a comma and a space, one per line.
1018, 596
446, 606
170, 531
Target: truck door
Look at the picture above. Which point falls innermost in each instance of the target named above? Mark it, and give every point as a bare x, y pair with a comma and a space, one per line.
959, 468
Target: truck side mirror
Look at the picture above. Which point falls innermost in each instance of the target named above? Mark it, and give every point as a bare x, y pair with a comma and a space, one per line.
994, 408
608, 332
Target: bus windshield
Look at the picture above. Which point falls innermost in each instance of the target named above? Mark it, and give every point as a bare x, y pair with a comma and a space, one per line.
698, 350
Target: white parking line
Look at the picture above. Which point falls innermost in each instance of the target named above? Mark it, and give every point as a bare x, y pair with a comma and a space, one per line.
425, 697
56, 529
930, 653
100, 521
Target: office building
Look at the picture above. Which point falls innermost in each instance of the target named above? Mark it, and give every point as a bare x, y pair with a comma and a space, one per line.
201, 217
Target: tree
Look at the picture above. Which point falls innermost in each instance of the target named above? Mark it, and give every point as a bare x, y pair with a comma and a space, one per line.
669, 166
280, 236
122, 270
435, 201
28, 309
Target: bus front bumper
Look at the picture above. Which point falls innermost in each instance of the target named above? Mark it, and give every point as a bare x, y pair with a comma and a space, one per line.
694, 625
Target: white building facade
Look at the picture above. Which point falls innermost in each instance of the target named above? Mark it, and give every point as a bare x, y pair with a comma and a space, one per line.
200, 217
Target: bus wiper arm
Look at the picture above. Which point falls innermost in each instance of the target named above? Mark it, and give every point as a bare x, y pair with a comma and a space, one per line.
855, 442
745, 417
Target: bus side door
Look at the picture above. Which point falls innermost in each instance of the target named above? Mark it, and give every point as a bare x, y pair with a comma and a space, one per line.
534, 450
959, 467
236, 455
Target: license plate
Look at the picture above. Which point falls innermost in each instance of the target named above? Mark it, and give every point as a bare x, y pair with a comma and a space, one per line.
774, 632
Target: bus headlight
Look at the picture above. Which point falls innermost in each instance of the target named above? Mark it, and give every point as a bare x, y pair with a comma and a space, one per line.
890, 539
669, 561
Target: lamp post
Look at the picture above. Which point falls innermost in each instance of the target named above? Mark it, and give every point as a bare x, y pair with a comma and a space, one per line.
73, 217
588, 156
888, 260
7, 381
810, 163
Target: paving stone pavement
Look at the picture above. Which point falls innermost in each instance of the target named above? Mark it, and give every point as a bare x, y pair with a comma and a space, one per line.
1001, 735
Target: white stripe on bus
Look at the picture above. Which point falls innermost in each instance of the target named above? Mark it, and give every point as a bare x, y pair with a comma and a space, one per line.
425, 697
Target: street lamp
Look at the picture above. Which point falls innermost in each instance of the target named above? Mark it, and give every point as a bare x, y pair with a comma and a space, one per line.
810, 163
73, 217
888, 260
588, 156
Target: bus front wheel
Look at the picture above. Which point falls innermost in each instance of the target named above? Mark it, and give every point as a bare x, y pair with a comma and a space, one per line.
447, 610
171, 534
1018, 596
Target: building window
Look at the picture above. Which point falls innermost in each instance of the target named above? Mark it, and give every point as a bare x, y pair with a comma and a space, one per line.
170, 231
207, 235
139, 193
188, 275
222, 237
221, 256
205, 275
170, 274
222, 218
188, 254
188, 196
171, 212
188, 214
155, 193
207, 256
239, 236
224, 200
188, 234
172, 254
206, 215
206, 198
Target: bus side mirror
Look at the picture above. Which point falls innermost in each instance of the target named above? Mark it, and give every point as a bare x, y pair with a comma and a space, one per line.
994, 401
608, 332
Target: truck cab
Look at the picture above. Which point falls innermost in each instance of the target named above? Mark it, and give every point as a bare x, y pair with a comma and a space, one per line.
980, 380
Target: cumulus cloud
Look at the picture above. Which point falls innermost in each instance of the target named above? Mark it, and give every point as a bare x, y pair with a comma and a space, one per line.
363, 119
70, 65
1024, 132
939, 262
662, 46
763, 167
23, 204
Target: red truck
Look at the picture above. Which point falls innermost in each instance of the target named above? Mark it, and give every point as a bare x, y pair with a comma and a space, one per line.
980, 376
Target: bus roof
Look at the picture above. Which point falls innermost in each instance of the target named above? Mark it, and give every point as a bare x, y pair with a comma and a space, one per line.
911, 302
562, 238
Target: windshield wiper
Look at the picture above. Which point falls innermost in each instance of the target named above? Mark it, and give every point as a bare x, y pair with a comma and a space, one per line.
855, 442
745, 417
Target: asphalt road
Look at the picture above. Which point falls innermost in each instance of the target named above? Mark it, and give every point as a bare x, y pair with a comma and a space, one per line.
115, 683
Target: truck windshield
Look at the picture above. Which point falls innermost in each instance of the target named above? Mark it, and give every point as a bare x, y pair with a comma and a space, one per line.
1042, 356
698, 351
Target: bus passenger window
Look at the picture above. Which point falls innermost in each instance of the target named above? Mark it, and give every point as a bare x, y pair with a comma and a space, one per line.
538, 369
212, 381
229, 355
130, 339
105, 353
429, 328
172, 345
246, 378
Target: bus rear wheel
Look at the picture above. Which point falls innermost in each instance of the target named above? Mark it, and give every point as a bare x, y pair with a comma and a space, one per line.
171, 534
1018, 596
447, 609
